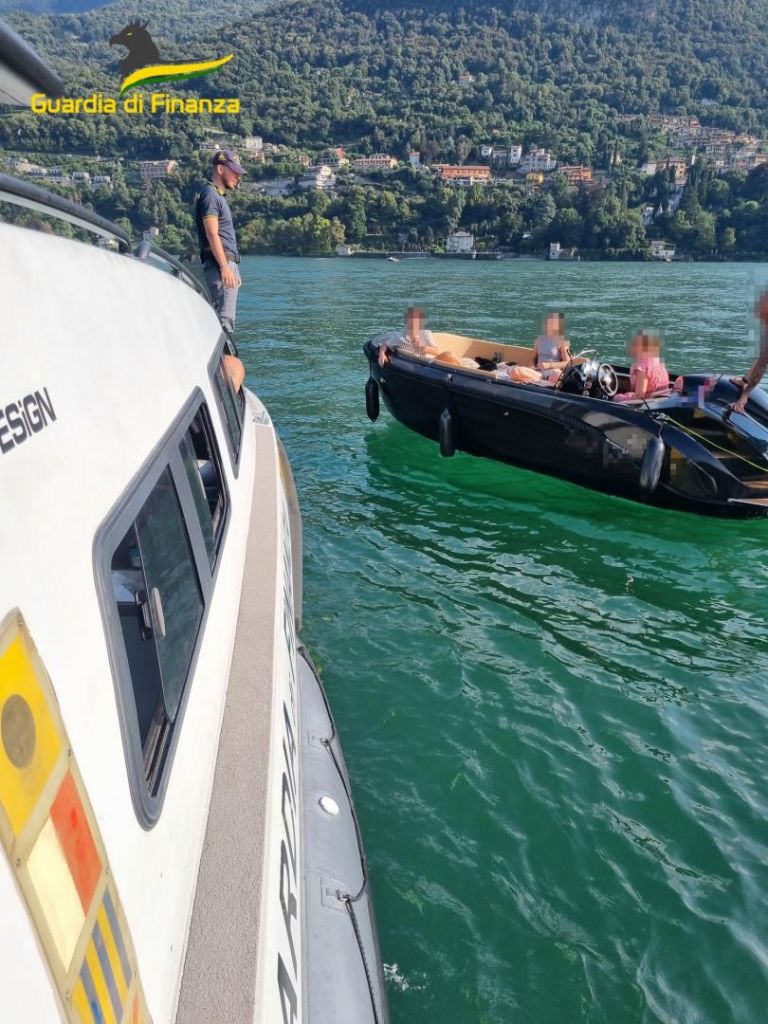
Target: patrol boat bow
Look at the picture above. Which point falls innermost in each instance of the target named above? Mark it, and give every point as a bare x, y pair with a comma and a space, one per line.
178, 837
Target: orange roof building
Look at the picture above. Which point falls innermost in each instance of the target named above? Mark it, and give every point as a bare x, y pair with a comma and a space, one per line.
470, 172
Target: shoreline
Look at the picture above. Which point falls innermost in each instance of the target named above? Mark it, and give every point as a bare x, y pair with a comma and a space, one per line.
485, 257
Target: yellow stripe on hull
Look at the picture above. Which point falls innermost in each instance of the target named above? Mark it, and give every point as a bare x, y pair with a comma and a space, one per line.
114, 957
81, 1004
99, 984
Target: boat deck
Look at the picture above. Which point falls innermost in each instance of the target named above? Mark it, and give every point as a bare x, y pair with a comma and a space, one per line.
219, 982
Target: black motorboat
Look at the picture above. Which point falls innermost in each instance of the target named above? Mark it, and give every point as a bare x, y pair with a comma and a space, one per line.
684, 449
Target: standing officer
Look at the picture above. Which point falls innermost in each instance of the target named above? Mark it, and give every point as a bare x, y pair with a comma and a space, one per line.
216, 235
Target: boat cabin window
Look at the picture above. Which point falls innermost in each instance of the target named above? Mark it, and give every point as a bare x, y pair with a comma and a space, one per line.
206, 480
160, 604
231, 405
157, 557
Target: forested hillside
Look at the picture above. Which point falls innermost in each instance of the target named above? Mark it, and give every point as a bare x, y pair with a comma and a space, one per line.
442, 77
555, 72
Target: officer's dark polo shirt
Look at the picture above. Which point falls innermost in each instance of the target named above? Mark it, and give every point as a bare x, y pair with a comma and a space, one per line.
211, 203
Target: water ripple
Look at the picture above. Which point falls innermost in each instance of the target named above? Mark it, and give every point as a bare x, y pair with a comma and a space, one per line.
553, 703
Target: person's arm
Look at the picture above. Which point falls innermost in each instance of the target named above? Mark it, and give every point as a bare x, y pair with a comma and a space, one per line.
235, 371
755, 373
535, 359
211, 225
641, 384
638, 382
428, 340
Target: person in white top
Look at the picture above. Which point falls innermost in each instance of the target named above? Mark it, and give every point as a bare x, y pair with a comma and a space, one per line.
414, 339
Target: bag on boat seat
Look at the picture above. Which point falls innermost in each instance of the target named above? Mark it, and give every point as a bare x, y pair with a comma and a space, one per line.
487, 364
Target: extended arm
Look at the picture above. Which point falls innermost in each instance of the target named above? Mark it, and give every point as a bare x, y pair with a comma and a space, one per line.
754, 375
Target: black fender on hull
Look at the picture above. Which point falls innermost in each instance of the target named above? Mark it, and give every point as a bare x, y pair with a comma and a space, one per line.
651, 465
446, 433
372, 399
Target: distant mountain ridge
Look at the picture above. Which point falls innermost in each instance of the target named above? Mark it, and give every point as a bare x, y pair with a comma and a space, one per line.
51, 6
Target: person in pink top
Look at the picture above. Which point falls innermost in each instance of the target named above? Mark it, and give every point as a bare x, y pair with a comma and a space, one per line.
648, 375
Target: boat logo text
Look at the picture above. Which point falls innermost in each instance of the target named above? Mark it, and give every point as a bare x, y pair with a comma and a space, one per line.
20, 420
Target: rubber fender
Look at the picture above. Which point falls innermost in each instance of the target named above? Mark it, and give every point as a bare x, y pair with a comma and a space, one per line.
650, 467
372, 399
447, 442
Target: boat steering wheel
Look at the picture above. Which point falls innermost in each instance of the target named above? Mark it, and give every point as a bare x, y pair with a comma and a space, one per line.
599, 380
607, 380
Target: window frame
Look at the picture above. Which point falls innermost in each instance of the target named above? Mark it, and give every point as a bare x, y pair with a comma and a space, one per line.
220, 351
123, 515
204, 412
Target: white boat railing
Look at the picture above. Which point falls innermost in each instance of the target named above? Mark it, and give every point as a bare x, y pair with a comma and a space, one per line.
40, 200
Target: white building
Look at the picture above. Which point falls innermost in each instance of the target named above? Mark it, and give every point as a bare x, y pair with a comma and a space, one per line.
343, 250
414, 158
253, 143
460, 241
320, 177
537, 159
661, 250
25, 167
506, 156
375, 162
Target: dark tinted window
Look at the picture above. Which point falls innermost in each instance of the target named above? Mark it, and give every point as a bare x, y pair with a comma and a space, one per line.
160, 604
156, 556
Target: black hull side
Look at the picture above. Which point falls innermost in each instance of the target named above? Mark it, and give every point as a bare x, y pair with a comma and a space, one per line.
594, 443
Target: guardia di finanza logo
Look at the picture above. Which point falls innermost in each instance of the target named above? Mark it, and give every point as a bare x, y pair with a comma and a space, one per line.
143, 66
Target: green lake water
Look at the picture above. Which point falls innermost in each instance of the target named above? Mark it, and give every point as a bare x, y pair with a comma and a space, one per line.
552, 702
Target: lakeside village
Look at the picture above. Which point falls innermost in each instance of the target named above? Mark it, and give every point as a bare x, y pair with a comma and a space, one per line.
705, 197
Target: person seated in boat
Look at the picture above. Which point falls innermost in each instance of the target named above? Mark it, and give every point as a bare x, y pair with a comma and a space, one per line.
647, 375
415, 338
551, 354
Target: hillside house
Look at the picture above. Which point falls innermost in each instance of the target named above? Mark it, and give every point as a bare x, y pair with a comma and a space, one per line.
460, 242
375, 162
537, 159
468, 174
153, 170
